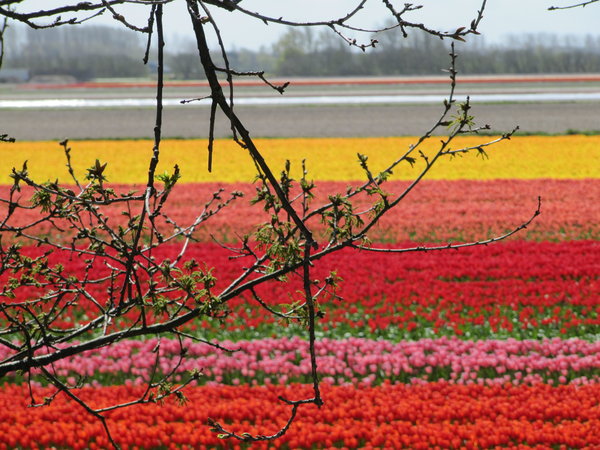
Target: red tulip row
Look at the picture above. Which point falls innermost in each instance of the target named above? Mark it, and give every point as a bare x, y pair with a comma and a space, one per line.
519, 288
435, 210
389, 416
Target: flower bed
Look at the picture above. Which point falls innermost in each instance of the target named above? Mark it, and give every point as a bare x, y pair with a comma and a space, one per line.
468, 210
388, 416
482, 347
520, 289
351, 361
328, 159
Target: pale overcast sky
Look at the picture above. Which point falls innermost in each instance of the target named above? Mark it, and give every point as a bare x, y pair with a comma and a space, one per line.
502, 17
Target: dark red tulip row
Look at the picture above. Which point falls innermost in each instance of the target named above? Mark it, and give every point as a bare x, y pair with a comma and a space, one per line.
520, 289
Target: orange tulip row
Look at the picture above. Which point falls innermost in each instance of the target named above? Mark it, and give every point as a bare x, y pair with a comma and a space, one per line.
388, 416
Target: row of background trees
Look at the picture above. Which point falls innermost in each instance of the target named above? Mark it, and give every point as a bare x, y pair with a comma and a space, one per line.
107, 52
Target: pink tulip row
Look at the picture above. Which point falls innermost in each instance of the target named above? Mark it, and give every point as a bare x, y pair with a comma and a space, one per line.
356, 361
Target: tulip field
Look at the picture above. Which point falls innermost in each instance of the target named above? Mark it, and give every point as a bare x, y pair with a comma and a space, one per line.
482, 347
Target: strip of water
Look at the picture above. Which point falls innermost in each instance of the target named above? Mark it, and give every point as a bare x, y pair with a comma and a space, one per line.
305, 100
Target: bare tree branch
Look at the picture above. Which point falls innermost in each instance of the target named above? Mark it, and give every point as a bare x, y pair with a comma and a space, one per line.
575, 5
146, 296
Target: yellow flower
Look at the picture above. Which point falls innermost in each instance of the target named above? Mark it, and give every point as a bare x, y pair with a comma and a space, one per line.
335, 159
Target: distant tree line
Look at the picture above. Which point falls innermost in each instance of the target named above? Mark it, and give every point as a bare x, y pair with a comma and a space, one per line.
107, 52
81, 52
300, 52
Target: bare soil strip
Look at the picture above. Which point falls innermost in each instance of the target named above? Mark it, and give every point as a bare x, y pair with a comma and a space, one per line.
300, 121
303, 120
